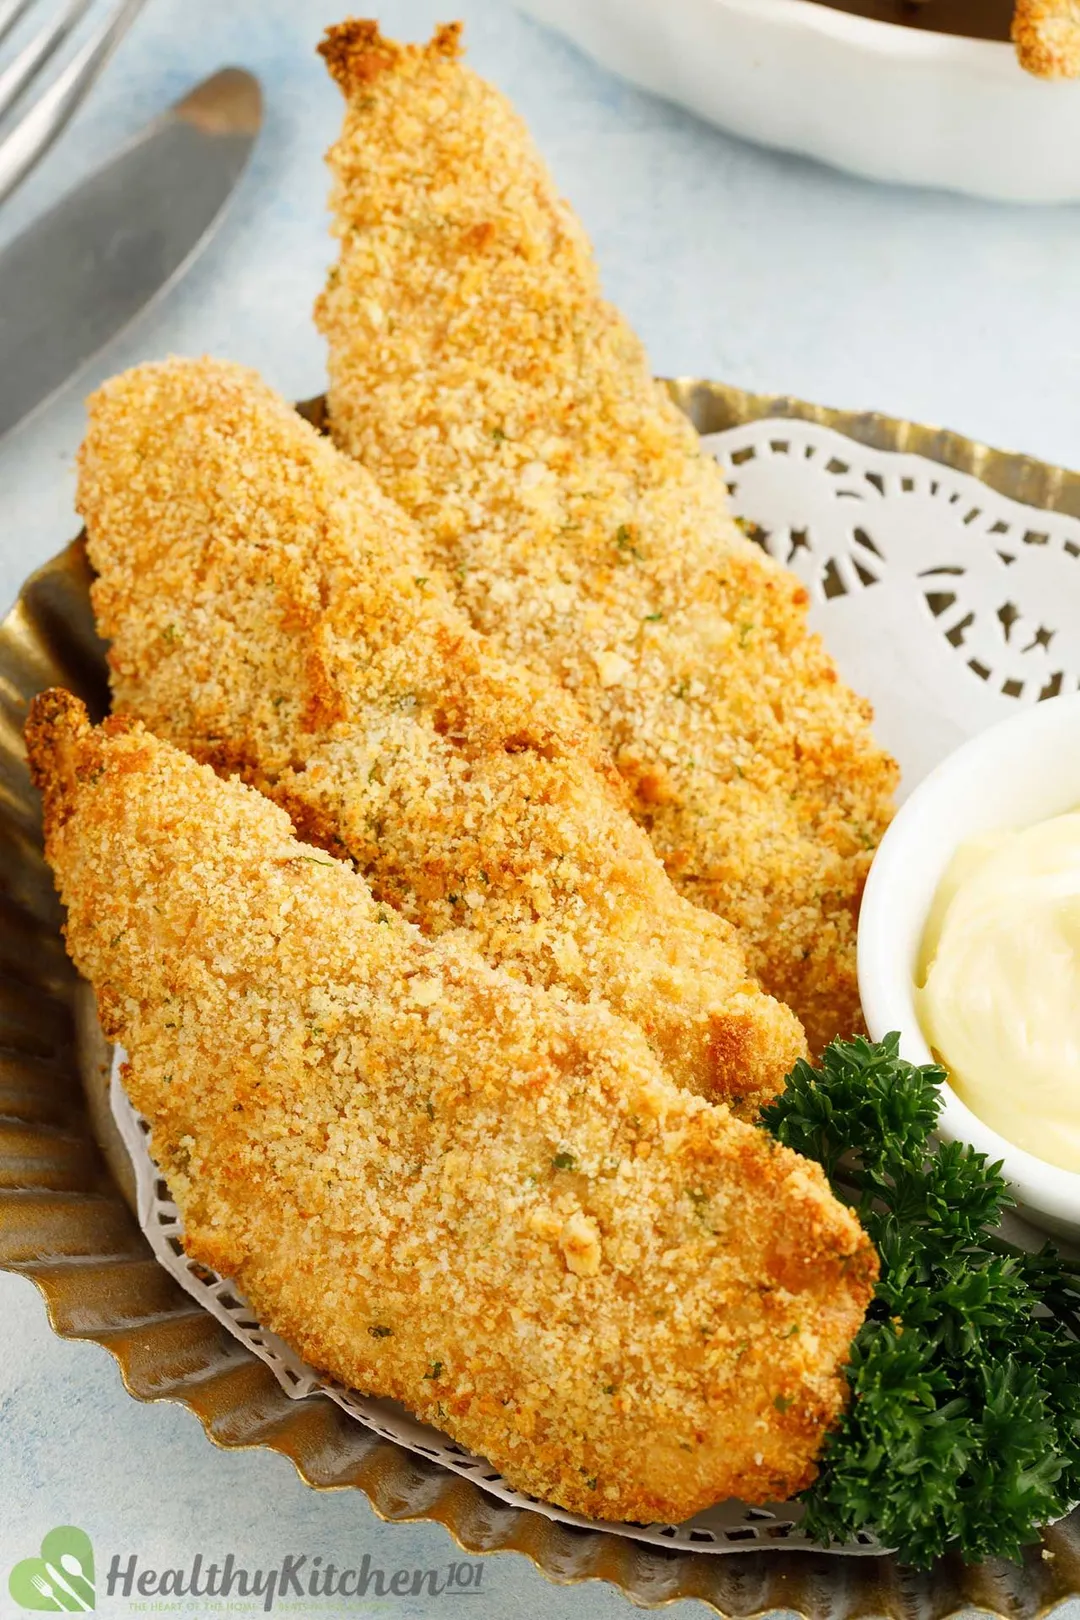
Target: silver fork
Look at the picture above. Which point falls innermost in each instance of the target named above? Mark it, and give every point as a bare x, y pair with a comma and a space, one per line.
38, 127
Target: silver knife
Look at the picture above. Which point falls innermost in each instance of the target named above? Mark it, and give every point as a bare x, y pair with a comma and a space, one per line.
83, 271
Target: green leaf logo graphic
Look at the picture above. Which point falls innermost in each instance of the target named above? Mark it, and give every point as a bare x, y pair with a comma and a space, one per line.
61, 1581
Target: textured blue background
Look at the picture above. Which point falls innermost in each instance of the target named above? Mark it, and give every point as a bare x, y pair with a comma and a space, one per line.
732, 262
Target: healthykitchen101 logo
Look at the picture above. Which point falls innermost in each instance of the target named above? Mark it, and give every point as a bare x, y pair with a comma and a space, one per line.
61, 1578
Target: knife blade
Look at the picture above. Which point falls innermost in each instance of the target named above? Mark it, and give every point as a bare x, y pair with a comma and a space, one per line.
82, 272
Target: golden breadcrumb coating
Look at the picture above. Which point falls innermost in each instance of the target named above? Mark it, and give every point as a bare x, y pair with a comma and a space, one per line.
476, 370
269, 612
1047, 37
440, 1184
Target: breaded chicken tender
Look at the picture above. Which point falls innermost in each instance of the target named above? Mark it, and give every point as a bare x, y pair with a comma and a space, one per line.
438, 1183
476, 370
1047, 37
269, 612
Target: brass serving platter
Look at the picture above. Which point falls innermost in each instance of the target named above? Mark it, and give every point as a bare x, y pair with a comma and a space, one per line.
66, 1223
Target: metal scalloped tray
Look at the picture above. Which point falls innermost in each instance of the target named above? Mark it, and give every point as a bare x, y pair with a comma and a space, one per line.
65, 1219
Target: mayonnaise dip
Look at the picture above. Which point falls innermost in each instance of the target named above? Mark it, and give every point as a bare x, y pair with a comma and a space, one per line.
998, 985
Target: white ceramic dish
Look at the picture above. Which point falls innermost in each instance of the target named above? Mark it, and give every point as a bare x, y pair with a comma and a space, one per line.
1019, 772
888, 102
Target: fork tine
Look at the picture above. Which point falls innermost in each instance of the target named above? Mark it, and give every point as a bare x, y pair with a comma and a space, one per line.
33, 57
10, 12
38, 128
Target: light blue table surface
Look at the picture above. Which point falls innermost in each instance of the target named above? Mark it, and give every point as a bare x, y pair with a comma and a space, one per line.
732, 262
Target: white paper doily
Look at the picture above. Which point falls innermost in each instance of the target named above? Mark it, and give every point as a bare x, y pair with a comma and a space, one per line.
944, 603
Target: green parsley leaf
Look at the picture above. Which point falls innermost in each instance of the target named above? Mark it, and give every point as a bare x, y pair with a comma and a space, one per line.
963, 1431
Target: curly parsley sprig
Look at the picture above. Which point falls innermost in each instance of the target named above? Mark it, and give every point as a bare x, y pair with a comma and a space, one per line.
963, 1430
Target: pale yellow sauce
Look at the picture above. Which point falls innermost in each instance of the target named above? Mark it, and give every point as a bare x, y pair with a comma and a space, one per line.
998, 986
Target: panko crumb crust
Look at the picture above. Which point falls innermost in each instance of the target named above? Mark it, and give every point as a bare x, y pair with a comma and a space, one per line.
1047, 37
477, 371
437, 1183
270, 611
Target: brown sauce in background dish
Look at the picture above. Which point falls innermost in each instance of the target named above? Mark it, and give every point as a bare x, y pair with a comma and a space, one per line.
977, 19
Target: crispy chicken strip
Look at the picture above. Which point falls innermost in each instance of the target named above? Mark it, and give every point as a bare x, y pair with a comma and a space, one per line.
440, 1184
269, 612
1047, 37
476, 370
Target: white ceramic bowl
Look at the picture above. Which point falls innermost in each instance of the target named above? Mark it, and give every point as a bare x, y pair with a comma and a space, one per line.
1013, 775
892, 103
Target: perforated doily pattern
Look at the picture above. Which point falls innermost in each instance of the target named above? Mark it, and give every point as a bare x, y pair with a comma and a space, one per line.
943, 602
